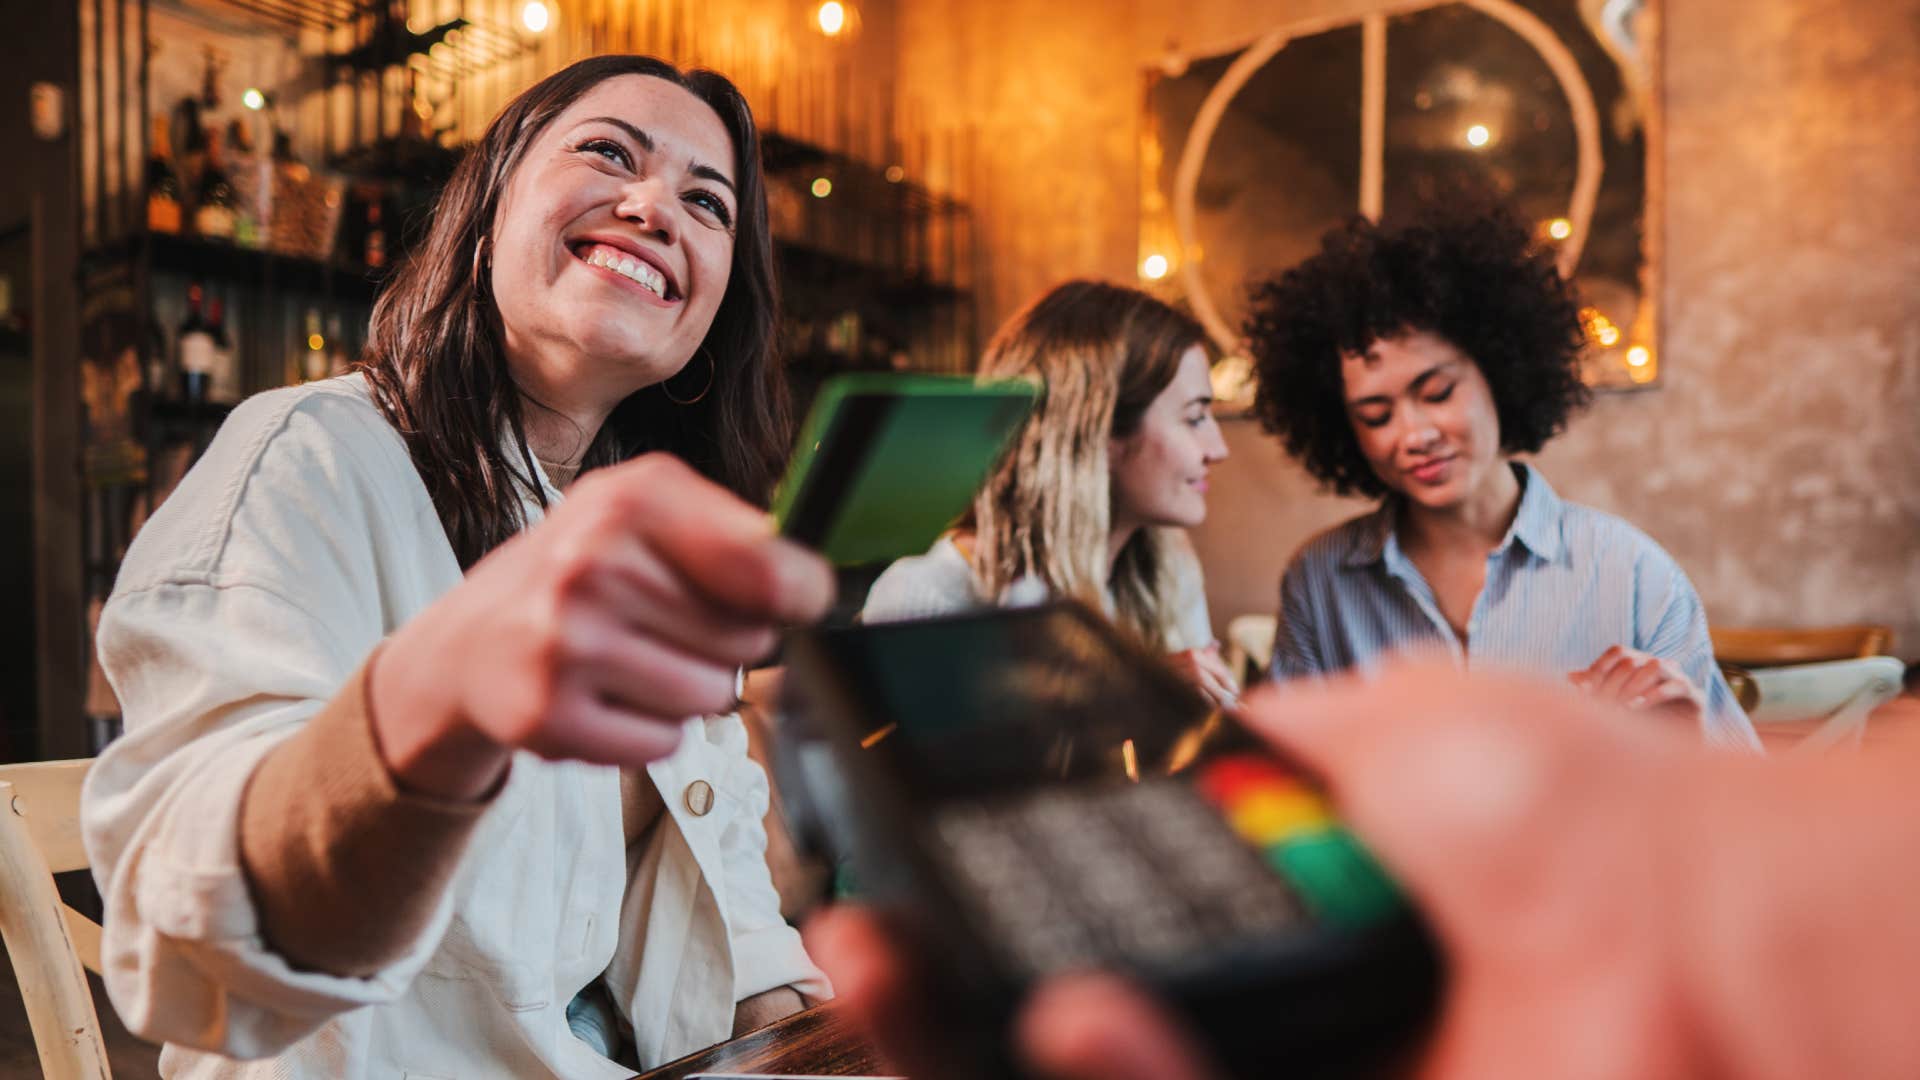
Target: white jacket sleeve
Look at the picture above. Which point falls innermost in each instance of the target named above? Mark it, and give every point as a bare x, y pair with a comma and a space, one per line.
243, 606
766, 951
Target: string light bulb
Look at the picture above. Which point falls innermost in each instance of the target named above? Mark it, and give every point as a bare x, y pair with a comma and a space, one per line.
536, 16
822, 187
1478, 136
1154, 267
253, 99
1559, 228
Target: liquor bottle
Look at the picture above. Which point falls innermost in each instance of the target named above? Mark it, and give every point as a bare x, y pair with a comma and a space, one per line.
162, 385
193, 145
223, 378
195, 345
215, 207
163, 184
313, 363
376, 235
249, 177
339, 360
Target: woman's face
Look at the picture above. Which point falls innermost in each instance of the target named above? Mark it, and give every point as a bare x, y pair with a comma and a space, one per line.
613, 242
1424, 416
1160, 471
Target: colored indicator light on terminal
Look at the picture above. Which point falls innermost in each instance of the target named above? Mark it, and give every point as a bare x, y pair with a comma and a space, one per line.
1271, 816
1223, 781
1336, 877
1294, 830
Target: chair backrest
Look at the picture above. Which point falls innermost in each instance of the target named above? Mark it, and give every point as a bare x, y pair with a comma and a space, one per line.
1250, 646
1756, 647
49, 942
1832, 699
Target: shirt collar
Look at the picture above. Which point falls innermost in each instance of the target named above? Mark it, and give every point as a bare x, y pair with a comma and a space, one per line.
1536, 525
517, 463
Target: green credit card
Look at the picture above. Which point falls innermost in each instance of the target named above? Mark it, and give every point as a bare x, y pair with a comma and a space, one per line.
886, 463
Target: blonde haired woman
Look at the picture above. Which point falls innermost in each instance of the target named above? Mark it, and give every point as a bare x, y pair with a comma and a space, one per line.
1090, 501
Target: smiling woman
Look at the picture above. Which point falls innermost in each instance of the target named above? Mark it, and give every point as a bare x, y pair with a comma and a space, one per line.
1414, 363
1090, 501
505, 322
377, 671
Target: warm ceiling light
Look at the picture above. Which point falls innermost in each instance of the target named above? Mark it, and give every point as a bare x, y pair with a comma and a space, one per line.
1153, 267
1559, 228
536, 16
832, 17
822, 187
253, 99
1478, 135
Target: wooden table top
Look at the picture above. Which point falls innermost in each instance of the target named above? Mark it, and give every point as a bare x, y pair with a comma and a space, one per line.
811, 1042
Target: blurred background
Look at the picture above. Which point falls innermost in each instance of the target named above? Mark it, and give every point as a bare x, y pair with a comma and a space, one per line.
204, 196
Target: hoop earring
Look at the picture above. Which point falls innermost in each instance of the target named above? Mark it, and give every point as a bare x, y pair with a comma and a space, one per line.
703, 390
479, 253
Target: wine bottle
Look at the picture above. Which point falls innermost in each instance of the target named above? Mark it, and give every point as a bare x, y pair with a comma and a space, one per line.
215, 207
223, 378
195, 345
163, 184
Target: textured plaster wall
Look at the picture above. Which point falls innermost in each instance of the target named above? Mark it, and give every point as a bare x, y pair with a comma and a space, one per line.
1780, 459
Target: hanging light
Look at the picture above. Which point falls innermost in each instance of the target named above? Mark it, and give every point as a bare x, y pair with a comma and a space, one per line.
536, 16
1478, 136
1154, 267
831, 17
253, 99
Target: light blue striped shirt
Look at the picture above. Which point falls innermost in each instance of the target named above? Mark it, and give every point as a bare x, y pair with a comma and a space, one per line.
1566, 583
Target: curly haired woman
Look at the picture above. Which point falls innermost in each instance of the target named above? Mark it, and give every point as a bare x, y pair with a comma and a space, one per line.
1414, 364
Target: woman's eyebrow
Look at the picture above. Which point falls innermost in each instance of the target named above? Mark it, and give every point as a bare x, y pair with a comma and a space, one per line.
645, 142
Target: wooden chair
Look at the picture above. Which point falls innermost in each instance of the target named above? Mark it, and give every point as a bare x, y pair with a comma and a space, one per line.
1250, 646
1758, 647
48, 941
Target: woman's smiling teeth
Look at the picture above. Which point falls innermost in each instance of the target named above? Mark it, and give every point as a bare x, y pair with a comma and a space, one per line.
626, 266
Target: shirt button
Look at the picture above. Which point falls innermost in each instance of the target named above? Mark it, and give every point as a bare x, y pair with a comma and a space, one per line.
699, 798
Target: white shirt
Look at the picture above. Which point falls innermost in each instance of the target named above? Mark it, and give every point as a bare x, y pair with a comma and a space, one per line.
301, 539
942, 582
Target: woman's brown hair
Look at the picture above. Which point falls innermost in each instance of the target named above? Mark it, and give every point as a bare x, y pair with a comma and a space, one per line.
1102, 354
437, 369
